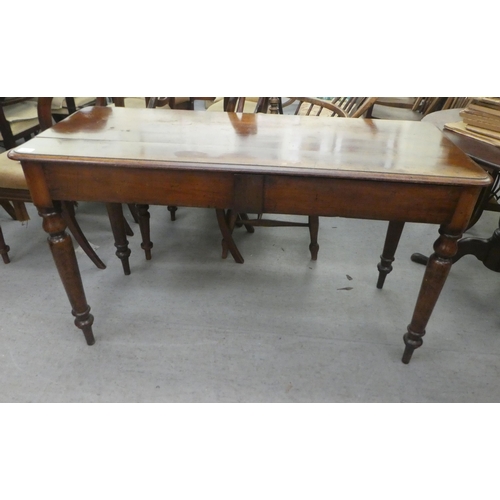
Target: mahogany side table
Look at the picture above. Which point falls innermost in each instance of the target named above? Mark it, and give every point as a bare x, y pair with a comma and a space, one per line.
257, 163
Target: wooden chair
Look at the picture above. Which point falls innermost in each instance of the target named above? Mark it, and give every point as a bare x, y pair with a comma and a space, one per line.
397, 102
18, 119
351, 107
140, 213
160, 102
230, 104
155, 102
309, 106
390, 110
226, 219
14, 192
238, 104
456, 102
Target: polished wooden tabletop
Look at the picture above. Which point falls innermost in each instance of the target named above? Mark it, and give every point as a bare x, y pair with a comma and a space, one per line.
256, 143
258, 163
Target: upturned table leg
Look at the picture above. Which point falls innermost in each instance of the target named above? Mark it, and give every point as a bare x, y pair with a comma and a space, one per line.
63, 252
435, 275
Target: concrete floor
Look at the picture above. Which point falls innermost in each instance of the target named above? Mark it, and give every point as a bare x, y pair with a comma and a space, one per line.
188, 326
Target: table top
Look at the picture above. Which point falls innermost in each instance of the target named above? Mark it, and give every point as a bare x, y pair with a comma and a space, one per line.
255, 143
481, 152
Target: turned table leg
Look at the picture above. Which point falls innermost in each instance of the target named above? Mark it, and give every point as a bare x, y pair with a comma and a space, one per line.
435, 275
63, 252
390, 246
146, 245
117, 221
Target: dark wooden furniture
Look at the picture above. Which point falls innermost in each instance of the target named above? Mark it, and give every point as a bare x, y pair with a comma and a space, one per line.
390, 109
24, 126
14, 193
352, 107
233, 218
287, 164
488, 156
64, 106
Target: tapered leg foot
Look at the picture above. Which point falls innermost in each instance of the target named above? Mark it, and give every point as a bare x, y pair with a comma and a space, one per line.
412, 341
84, 321
407, 354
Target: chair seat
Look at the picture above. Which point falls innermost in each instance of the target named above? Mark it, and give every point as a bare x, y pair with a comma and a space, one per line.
397, 102
392, 113
11, 173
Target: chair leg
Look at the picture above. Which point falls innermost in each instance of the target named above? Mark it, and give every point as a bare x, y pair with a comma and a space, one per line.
243, 217
4, 249
128, 229
133, 211
172, 209
227, 238
8, 208
231, 218
117, 222
68, 214
313, 231
146, 245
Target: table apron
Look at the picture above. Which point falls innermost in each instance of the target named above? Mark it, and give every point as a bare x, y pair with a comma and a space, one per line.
259, 193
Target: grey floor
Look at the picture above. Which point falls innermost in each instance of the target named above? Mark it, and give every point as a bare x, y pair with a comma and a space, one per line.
188, 326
